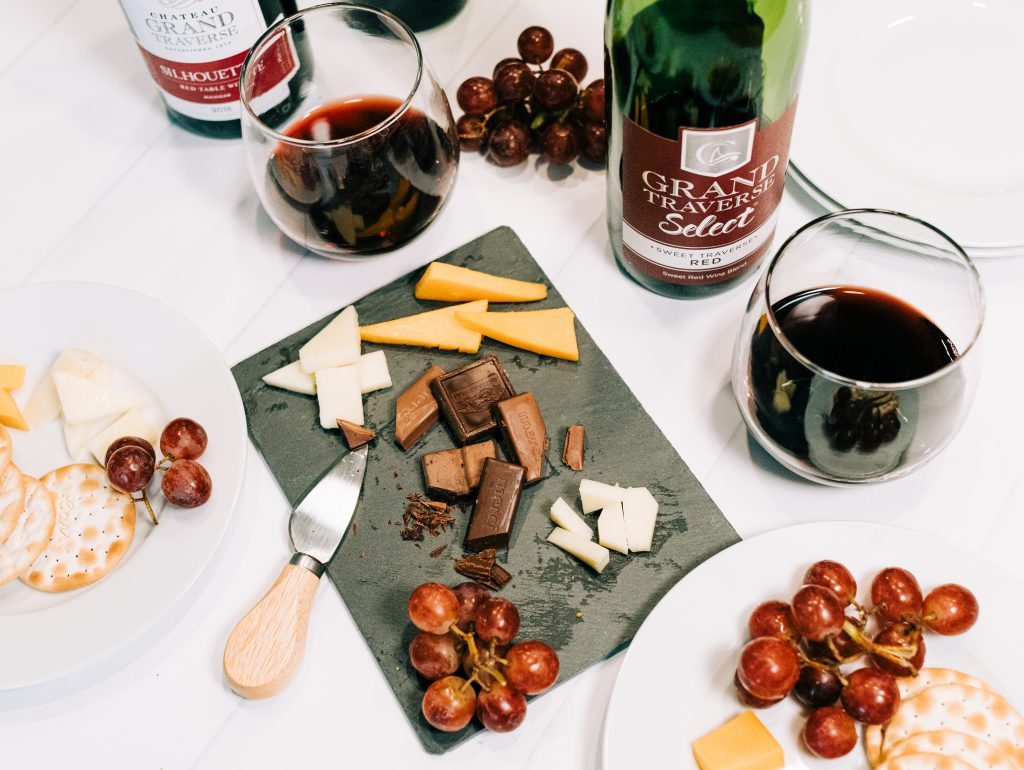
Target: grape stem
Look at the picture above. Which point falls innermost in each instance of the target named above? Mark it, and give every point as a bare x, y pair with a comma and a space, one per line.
901, 656
821, 666
149, 507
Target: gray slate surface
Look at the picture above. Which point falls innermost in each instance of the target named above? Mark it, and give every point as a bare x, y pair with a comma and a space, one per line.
375, 570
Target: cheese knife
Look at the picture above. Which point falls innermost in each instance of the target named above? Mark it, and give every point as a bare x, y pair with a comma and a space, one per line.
265, 648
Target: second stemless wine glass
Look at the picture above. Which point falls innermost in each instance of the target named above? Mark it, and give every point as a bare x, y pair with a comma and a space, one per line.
369, 155
857, 356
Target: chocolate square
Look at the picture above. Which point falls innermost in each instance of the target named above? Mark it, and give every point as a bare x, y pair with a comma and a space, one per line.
526, 438
497, 500
466, 396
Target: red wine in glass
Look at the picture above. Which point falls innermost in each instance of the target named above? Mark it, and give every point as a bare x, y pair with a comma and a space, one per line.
370, 193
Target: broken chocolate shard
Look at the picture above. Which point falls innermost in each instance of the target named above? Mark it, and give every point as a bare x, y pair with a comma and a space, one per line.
497, 500
476, 567
355, 435
572, 451
466, 396
526, 438
501, 576
416, 409
454, 473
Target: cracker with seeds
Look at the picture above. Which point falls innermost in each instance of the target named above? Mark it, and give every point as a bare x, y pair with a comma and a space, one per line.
31, 534
12, 499
94, 529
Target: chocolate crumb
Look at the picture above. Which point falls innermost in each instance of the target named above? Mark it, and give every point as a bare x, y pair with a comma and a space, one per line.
424, 515
438, 551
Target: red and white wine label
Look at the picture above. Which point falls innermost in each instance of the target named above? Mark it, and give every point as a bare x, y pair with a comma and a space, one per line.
195, 48
702, 208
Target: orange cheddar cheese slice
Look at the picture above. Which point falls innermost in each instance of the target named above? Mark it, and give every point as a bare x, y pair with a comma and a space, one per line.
12, 376
10, 414
548, 332
742, 743
451, 283
433, 329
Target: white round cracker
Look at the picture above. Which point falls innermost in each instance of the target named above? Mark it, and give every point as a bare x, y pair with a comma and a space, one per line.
925, 762
6, 447
94, 529
950, 743
31, 534
12, 499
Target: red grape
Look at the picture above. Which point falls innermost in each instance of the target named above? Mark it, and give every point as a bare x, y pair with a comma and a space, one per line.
595, 142
829, 733
751, 700
497, 619
871, 696
847, 647
535, 44
896, 595
469, 594
502, 63
186, 484
555, 89
514, 82
501, 708
950, 609
472, 131
835, 577
476, 96
900, 635
768, 668
449, 703
532, 667
773, 618
817, 688
559, 143
433, 655
433, 608
818, 613
130, 468
128, 441
572, 61
183, 439
509, 144
593, 101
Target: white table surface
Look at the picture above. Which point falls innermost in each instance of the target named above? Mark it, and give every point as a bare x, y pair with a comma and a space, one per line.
97, 185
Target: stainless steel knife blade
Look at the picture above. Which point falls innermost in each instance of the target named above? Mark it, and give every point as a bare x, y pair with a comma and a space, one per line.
318, 523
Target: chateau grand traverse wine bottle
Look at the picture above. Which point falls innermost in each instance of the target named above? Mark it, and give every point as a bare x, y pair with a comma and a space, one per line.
195, 48
700, 112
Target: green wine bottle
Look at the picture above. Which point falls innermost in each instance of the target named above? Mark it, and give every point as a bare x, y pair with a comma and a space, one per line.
701, 98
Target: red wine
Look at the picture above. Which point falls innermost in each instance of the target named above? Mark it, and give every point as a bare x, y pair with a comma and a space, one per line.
859, 334
421, 14
370, 194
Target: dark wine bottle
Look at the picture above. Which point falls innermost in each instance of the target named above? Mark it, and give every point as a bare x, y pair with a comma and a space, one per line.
421, 14
194, 50
701, 107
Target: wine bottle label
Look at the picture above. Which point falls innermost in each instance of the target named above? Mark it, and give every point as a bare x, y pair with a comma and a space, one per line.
195, 48
702, 208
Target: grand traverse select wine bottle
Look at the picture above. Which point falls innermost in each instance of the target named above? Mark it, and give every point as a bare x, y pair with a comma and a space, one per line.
195, 48
701, 106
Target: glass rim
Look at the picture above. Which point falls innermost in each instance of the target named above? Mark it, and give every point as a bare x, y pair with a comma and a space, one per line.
867, 384
286, 21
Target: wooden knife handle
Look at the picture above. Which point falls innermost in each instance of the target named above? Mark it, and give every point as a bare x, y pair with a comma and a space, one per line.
266, 646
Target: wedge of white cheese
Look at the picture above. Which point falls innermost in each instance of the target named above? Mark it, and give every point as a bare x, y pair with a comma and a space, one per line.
134, 423
339, 394
292, 377
565, 517
43, 406
639, 511
76, 437
337, 344
611, 528
588, 552
90, 399
373, 371
596, 495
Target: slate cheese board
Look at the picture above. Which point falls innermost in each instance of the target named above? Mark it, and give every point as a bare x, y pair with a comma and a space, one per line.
585, 617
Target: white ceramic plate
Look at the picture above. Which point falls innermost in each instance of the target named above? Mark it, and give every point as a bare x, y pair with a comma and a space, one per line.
675, 684
912, 105
46, 636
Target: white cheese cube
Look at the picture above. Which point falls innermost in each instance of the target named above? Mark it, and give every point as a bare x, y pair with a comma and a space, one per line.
92, 398
338, 391
588, 552
565, 517
76, 437
373, 371
639, 510
337, 344
292, 377
611, 528
596, 495
134, 423
43, 406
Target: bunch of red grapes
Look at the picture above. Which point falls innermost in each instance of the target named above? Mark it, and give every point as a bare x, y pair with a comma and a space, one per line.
466, 628
520, 107
801, 647
131, 462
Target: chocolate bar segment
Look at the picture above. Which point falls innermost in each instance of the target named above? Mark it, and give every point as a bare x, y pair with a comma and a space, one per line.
455, 473
355, 435
494, 514
526, 438
572, 451
416, 409
466, 396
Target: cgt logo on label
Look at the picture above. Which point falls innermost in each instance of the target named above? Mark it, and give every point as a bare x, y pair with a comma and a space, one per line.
713, 152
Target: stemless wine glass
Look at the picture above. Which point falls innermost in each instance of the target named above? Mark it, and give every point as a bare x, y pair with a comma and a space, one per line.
368, 155
857, 358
